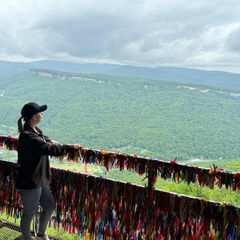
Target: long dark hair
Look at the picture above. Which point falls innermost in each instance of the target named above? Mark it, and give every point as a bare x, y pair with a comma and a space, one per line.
21, 127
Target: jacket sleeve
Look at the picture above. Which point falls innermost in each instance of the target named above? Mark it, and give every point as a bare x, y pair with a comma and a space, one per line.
41, 147
48, 139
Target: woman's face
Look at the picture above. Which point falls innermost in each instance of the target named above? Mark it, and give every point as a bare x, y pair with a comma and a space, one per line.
38, 117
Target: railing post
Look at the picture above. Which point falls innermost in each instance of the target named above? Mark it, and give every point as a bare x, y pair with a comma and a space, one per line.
152, 176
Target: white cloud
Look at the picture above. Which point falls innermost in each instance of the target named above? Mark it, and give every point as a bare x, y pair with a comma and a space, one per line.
232, 42
188, 33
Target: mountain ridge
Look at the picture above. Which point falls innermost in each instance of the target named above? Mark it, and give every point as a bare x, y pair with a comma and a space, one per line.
187, 75
156, 118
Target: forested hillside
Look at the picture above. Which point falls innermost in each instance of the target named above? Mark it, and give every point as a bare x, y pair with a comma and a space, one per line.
185, 75
148, 117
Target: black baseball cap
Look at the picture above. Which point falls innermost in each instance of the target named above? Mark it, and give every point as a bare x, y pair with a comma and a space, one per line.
31, 109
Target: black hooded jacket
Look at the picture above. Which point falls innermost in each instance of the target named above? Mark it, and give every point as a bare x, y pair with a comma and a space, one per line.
33, 151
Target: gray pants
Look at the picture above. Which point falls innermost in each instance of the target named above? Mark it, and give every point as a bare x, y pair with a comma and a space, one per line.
31, 198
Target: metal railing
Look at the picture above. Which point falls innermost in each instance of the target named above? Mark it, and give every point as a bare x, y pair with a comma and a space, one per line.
103, 208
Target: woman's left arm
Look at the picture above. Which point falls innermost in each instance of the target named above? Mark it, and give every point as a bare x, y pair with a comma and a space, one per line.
48, 139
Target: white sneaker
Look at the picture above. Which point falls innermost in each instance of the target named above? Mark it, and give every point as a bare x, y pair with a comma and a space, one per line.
44, 237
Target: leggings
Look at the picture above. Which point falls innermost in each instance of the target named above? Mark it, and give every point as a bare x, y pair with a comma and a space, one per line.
31, 198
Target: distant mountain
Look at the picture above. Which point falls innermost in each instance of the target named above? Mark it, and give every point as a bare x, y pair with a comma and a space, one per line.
143, 116
195, 76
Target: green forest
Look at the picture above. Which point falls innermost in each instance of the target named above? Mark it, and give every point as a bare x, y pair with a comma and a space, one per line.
148, 117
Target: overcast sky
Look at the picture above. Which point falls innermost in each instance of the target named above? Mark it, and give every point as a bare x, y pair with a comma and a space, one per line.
202, 34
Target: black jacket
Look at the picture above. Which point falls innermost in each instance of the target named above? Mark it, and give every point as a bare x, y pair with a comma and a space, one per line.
33, 152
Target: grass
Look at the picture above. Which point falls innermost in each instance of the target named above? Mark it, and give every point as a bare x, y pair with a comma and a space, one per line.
8, 233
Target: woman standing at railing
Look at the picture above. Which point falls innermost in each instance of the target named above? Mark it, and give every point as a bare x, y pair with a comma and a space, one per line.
33, 176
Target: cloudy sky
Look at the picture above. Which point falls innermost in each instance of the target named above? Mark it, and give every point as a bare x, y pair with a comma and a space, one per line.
200, 34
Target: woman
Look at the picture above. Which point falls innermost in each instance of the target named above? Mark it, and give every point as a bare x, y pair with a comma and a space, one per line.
33, 177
